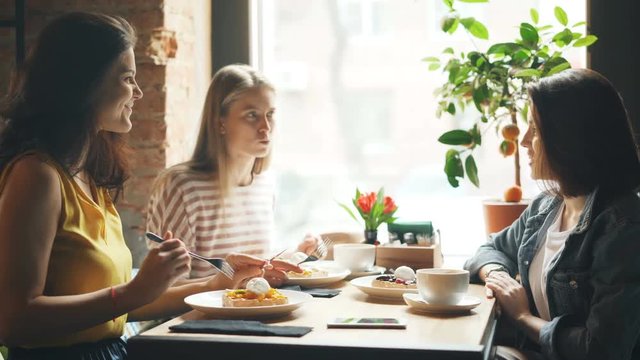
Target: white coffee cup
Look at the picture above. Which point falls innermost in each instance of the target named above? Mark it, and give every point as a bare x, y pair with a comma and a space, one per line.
355, 257
442, 286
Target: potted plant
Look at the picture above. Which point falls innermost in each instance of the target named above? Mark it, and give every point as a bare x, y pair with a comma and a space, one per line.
493, 82
374, 209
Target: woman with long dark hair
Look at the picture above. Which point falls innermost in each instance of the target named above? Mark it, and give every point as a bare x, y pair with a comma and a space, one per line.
576, 248
65, 270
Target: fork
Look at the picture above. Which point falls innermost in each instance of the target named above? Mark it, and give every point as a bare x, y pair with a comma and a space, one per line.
320, 251
219, 264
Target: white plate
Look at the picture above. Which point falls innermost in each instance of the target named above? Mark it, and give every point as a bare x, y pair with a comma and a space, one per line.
417, 303
364, 284
210, 302
376, 270
334, 271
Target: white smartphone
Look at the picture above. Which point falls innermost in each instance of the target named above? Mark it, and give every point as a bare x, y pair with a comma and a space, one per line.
368, 323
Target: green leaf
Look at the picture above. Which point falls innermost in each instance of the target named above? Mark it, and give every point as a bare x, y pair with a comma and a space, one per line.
475, 28
453, 72
380, 197
586, 41
449, 3
534, 15
527, 73
476, 135
353, 216
472, 170
563, 38
434, 66
556, 69
480, 95
580, 23
453, 167
521, 56
543, 55
561, 16
504, 48
553, 63
524, 112
448, 51
529, 35
431, 59
449, 24
451, 109
543, 28
456, 137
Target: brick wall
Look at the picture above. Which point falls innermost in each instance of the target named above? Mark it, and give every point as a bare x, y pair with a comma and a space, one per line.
173, 57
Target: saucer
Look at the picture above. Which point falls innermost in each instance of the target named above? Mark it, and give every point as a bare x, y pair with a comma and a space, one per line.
417, 303
375, 270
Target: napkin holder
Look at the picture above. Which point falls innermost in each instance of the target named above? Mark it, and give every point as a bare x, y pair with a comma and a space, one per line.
413, 256
419, 246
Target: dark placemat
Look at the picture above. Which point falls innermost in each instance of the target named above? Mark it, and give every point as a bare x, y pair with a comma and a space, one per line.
239, 327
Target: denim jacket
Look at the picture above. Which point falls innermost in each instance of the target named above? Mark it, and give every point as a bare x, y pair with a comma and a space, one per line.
593, 284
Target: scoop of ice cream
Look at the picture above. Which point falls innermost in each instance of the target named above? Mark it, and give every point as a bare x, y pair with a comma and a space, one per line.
298, 257
258, 286
405, 273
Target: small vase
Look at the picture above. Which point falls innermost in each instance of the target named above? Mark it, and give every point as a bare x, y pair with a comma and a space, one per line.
371, 237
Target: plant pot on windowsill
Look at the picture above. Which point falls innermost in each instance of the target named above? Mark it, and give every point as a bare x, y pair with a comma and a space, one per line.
499, 214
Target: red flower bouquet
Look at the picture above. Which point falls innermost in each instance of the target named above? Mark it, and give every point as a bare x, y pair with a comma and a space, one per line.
374, 209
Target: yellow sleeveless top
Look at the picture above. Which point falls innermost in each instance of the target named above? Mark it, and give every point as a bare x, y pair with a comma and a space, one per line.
89, 252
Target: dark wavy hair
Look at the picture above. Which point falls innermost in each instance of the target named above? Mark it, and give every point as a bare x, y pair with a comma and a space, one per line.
586, 134
52, 100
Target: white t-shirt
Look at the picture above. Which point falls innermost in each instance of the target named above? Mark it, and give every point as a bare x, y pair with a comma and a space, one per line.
553, 245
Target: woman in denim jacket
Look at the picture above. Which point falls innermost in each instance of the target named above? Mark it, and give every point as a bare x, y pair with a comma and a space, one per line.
577, 246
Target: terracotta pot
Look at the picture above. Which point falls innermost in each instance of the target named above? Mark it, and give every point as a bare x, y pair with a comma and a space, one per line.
500, 214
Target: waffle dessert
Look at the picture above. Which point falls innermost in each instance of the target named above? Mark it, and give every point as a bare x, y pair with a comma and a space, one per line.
403, 278
308, 273
257, 293
390, 281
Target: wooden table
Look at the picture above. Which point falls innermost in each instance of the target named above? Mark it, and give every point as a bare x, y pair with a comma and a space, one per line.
462, 336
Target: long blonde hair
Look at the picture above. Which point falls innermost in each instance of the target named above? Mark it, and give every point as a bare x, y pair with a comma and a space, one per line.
211, 154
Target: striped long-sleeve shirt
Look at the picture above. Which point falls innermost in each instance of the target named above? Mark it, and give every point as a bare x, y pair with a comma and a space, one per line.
191, 207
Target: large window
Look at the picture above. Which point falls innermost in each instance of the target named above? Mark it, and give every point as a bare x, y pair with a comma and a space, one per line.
355, 108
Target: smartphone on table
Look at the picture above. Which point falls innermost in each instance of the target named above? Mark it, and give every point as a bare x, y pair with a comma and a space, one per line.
367, 323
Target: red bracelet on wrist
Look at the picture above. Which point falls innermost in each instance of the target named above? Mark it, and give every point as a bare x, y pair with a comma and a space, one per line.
113, 300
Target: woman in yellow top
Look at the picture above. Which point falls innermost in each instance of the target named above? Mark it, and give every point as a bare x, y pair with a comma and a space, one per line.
64, 266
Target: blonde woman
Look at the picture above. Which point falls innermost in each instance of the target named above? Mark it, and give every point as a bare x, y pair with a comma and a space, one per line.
222, 200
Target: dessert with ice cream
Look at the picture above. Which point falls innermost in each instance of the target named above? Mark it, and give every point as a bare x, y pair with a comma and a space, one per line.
308, 273
403, 278
257, 293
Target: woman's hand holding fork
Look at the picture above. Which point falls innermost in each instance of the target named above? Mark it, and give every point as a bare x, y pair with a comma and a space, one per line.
247, 267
